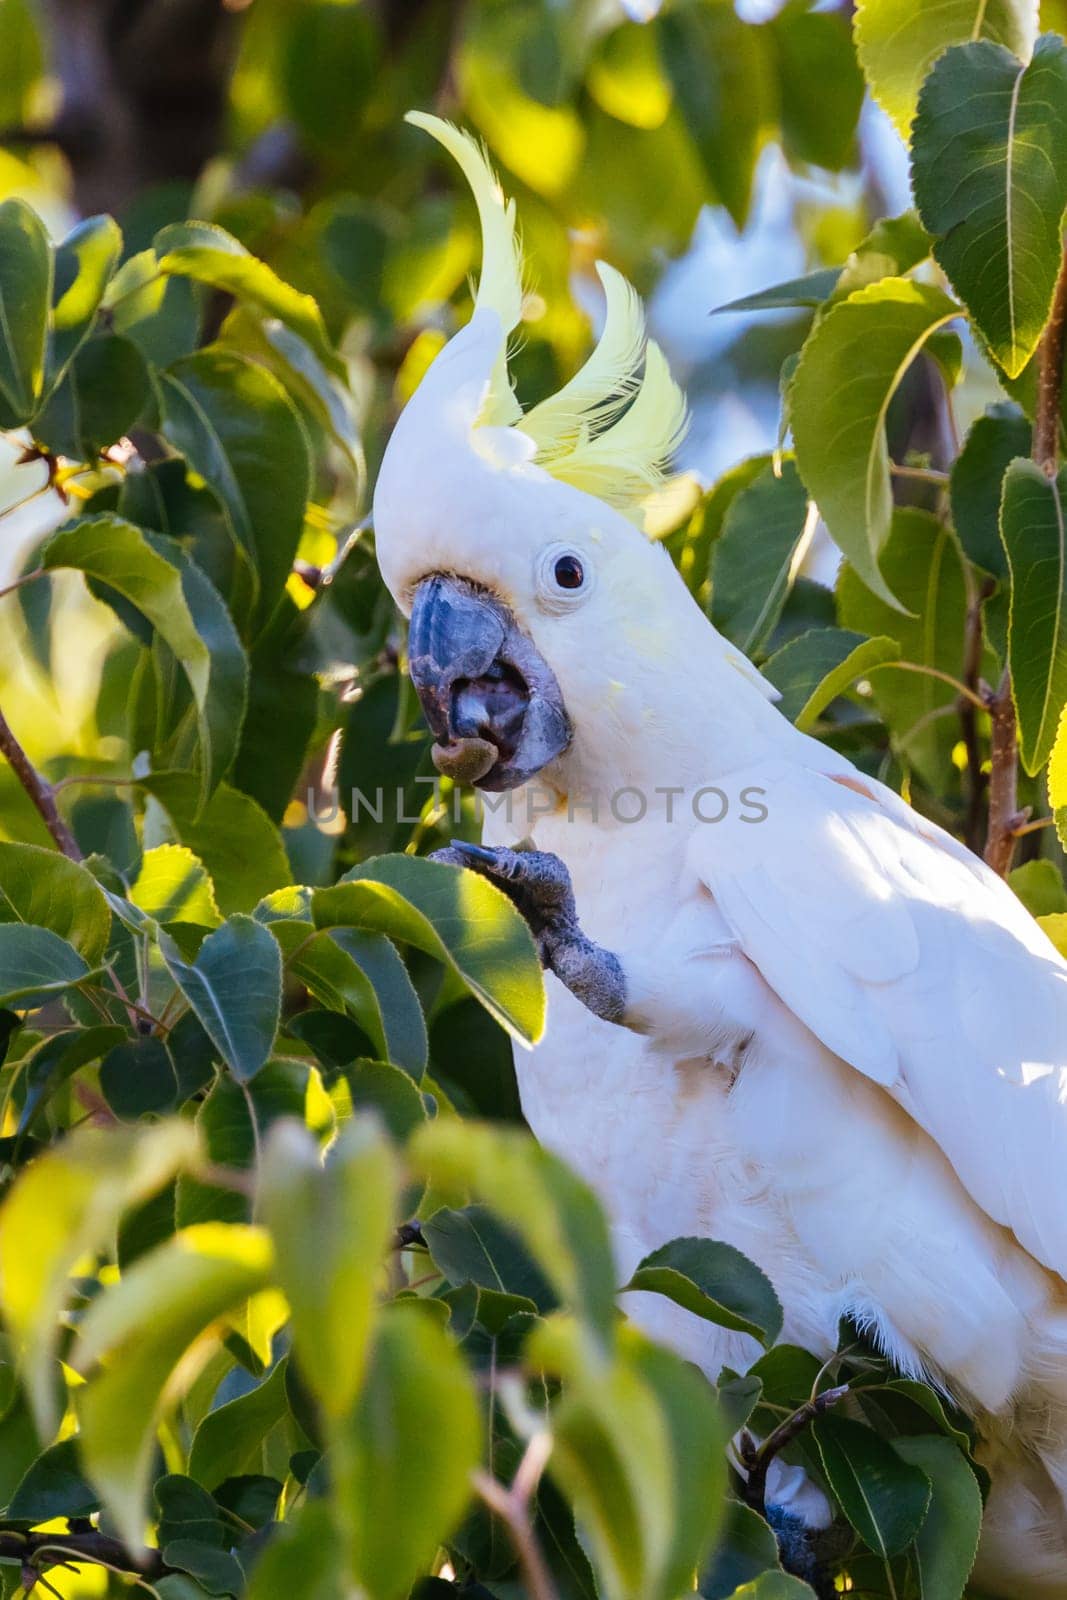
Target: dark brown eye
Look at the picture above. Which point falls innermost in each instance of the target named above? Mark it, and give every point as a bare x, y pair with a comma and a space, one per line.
568, 572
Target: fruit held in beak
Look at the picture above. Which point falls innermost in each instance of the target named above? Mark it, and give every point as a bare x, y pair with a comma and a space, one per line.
464, 760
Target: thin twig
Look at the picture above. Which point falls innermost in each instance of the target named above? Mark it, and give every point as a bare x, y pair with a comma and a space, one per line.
935, 672
1033, 827
512, 1507
41, 793
920, 474
19, 583
977, 778
757, 1460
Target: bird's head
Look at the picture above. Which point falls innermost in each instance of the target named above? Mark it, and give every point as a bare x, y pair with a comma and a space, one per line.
546, 629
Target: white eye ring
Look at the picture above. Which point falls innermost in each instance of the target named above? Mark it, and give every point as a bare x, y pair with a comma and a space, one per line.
557, 569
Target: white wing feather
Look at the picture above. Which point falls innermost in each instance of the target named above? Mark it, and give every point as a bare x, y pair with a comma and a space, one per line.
913, 962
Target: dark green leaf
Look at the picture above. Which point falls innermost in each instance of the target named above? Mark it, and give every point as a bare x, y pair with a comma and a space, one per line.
713, 62
989, 169
1032, 527
992, 444
380, 1087
43, 887
947, 1542
234, 986
36, 965
473, 1246
229, 1440
55, 1486
748, 1549
753, 561
714, 1281
216, 1571
820, 84
883, 1497
809, 291
103, 394
137, 1078
236, 427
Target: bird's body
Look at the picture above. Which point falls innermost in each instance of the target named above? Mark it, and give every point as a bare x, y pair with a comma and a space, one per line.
730, 1120
816, 1028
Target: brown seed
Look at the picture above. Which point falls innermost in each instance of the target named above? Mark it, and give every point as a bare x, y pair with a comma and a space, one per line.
464, 760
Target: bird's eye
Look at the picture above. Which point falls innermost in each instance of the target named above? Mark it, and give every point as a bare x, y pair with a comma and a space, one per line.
564, 578
568, 572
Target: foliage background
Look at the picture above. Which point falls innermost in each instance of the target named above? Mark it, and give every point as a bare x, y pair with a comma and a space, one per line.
191, 410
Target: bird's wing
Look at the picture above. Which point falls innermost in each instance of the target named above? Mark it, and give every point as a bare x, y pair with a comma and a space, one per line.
913, 962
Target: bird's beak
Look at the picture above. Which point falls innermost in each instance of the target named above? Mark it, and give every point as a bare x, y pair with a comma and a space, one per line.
492, 702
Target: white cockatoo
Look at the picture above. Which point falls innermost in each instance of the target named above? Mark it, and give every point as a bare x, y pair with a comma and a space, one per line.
785, 1011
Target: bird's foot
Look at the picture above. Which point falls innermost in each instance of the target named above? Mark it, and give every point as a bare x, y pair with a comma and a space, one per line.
539, 884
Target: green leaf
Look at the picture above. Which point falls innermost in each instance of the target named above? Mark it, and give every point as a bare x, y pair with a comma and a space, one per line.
133, 1337
947, 1542
714, 1281
63, 1206
210, 255
454, 915
413, 1439
380, 1087
303, 1558
216, 1571
850, 368
1032, 527
36, 965
229, 1440
156, 576
473, 1246
992, 444
556, 1214
137, 1078
100, 399
1040, 887
231, 1137
748, 1550
813, 669
922, 564
43, 887
894, 246
55, 1486
714, 64
884, 1498
25, 292
84, 263
899, 40
774, 1586
361, 973
173, 886
808, 291
989, 169
332, 1227
232, 835
820, 85
755, 558
235, 988
159, 314
236, 427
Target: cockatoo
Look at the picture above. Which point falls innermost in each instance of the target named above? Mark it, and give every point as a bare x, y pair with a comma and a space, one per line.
785, 1011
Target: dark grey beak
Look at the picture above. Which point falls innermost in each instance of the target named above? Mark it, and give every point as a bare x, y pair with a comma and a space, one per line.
492, 702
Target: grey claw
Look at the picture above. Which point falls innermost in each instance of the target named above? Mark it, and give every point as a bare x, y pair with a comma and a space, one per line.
477, 852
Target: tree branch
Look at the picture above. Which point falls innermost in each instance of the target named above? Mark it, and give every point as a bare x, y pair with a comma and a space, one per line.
512, 1507
40, 792
757, 1459
88, 1545
1004, 814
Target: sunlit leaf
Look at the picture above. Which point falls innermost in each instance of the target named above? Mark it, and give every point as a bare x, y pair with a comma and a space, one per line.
899, 41
173, 886
412, 1440
331, 1226
132, 1339
232, 835
64, 1205
43, 887
25, 292
454, 915
851, 366
84, 263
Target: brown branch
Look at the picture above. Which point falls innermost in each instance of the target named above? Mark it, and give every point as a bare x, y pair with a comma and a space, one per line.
757, 1459
40, 792
977, 779
1004, 815
84, 1545
512, 1507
